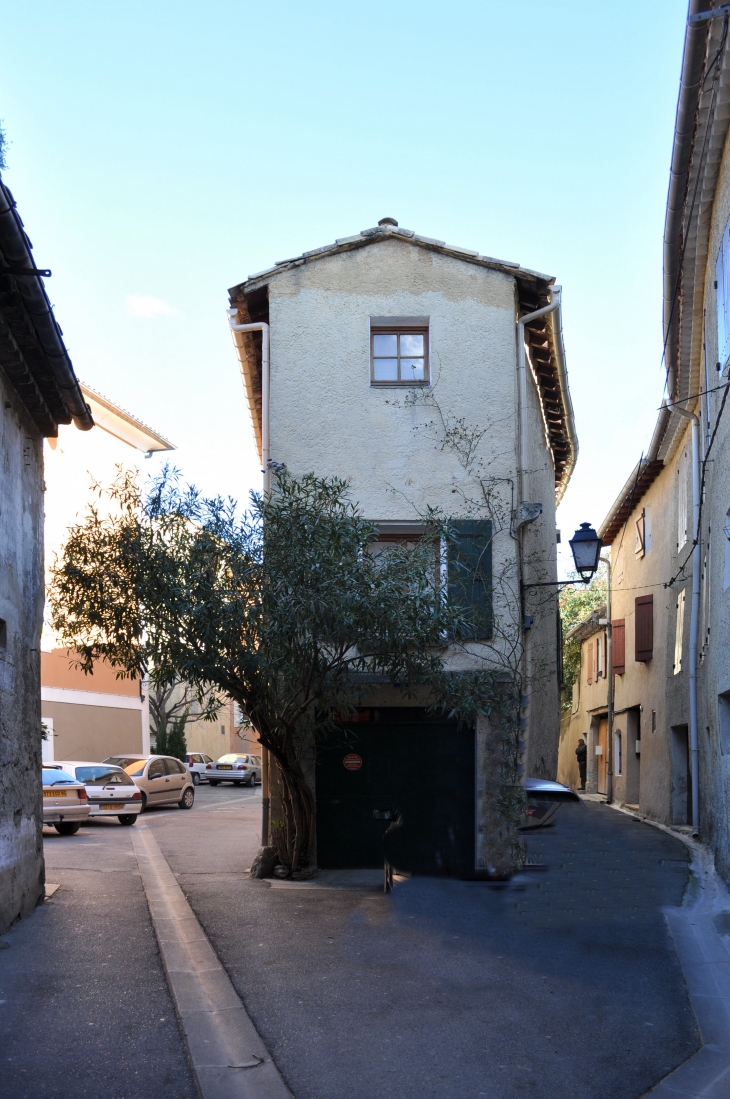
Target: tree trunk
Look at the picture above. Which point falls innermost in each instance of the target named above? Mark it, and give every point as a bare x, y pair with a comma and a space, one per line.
292, 812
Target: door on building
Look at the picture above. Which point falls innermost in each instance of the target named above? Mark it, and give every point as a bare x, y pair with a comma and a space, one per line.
396, 760
681, 776
602, 756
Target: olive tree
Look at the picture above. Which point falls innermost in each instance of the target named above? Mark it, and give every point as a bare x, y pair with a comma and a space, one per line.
283, 608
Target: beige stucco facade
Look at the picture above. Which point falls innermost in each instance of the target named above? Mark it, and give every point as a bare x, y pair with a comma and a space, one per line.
652, 697
403, 448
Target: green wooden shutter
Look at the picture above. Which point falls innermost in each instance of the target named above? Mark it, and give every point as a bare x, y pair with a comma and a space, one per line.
470, 572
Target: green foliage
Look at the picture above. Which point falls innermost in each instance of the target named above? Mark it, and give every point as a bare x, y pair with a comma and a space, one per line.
161, 740
282, 609
176, 742
577, 604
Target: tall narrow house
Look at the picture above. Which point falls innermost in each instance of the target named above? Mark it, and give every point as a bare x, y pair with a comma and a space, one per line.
428, 376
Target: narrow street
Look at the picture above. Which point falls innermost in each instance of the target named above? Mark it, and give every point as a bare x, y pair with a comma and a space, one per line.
564, 982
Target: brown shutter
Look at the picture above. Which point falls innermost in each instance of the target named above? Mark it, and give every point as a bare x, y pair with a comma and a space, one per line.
644, 628
589, 660
619, 646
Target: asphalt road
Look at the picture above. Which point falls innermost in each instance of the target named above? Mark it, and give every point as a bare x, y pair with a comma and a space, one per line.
84, 1003
562, 984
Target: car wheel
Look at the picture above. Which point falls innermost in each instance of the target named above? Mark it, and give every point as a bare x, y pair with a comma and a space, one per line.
196, 778
67, 827
127, 818
213, 781
144, 802
188, 798
251, 781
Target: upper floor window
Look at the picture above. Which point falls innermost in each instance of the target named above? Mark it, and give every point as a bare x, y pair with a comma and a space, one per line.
399, 350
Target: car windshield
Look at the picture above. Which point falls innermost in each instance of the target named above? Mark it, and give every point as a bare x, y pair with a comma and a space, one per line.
56, 778
103, 775
232, 758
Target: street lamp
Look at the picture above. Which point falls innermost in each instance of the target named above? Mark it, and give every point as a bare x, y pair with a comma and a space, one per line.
586, 548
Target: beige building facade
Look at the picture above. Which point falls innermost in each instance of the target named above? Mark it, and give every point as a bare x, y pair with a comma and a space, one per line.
669, 529
395, 363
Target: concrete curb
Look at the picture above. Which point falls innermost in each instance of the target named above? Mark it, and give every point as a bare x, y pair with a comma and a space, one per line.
704, 955
228, 1055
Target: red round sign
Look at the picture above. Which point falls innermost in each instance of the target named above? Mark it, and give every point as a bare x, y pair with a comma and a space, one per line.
353, 762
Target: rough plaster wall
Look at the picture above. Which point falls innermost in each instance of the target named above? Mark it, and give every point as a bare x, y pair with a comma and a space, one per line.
714, 671
21, 606
327, 418
650, 685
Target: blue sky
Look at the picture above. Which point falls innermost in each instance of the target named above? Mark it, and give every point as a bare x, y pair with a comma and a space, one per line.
161, 152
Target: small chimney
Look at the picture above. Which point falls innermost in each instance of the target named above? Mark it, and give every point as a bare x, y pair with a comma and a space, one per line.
388, 221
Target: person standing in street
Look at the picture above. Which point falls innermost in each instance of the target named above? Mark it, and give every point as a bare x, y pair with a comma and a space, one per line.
581, 753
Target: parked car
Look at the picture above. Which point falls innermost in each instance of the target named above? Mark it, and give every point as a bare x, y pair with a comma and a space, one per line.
197, 762
162, 780
241, 770
110, 790
65, 803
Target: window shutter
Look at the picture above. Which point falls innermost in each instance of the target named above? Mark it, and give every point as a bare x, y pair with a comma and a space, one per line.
722, 279
643, 628
618, 632
470, 573
589, 660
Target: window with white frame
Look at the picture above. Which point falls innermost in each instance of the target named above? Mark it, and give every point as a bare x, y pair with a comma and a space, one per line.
399, 350
642, 544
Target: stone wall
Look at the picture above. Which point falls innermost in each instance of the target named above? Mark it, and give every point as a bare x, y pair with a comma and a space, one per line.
21, 611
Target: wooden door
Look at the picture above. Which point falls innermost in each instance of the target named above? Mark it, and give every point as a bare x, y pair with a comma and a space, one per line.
602, 758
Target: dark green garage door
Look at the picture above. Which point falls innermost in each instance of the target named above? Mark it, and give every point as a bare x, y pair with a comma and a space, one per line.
398, 760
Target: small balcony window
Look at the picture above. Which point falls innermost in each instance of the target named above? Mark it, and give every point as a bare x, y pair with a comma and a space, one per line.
398, 353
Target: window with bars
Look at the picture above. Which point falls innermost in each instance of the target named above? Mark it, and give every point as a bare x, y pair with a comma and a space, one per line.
399, 351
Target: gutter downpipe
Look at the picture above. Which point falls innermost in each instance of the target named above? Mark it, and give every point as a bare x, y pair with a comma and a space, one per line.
522, 452
263, 328
695, 617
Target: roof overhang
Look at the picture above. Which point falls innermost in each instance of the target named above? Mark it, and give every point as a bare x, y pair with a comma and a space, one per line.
122, 425
700, 135
544, 336
32, 351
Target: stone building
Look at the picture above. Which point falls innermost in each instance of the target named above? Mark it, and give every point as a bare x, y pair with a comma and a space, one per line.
402, 364
38, 391
669, 529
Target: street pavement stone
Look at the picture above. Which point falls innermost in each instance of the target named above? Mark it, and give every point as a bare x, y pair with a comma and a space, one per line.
563, 983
